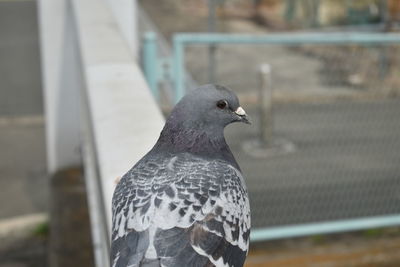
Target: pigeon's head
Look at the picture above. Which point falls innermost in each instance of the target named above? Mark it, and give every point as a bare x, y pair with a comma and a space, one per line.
209, 106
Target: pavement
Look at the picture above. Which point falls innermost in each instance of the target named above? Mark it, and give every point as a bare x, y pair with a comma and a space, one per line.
24, 188
20, 76
23, 180
300, 73
23, 183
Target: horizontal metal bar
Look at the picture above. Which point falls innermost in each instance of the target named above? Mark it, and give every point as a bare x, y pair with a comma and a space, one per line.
300, 230
289, 38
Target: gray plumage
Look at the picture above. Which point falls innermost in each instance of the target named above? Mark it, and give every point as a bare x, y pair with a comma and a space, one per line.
185, 202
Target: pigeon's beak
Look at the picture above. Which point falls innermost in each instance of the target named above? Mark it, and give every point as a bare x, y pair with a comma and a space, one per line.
242, 115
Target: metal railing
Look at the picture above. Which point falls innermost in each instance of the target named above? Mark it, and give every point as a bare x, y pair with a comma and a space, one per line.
177, 74
182, 40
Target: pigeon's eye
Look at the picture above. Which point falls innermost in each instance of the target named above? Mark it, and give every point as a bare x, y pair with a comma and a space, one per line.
222, 104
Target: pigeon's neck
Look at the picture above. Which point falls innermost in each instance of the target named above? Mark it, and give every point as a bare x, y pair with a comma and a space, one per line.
197, 139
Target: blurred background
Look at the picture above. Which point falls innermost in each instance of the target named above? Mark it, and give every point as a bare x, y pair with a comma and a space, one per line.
320, 79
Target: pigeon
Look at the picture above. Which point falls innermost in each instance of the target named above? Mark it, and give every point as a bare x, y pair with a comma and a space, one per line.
185, 203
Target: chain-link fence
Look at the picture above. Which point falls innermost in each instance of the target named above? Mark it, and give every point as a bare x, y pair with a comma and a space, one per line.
335, 151
338, 106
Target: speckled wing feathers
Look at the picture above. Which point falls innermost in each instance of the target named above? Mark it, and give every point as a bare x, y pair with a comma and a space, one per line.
181, 211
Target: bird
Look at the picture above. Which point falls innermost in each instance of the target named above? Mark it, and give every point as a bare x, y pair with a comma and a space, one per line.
185, 203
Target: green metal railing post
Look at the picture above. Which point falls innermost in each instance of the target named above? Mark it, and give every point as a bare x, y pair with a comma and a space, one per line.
150, 66
290, 10
178, 68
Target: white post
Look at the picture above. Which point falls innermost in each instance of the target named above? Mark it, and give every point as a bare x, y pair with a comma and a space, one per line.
125, 13
60, 93
265, 97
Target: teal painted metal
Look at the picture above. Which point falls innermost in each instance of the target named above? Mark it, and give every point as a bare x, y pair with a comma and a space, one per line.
290, 10
180, 40
164, 69
150, 62
153, 74
342, 38
179, 67
323, 228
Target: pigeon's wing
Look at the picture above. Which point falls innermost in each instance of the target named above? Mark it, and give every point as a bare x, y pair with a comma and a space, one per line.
193, 213
132, 212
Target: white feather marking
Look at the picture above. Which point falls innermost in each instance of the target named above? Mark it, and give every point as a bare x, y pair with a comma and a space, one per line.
170, 164
116, 259
121, 229
151, 250
217, 263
